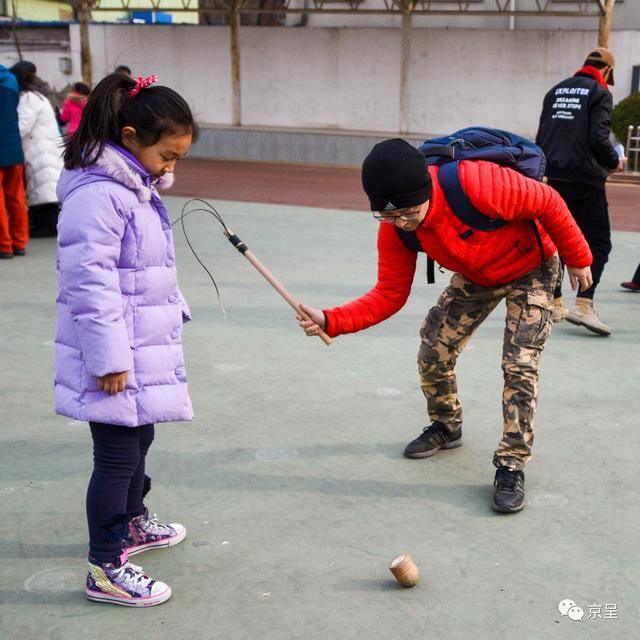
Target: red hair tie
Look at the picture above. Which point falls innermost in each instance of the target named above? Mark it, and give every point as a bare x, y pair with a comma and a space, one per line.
142, 83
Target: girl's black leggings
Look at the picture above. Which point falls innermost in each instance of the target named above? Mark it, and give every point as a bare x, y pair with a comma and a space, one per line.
117, 486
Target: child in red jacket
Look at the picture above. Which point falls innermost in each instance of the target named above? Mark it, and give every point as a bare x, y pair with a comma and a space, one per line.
73, 107
488, 267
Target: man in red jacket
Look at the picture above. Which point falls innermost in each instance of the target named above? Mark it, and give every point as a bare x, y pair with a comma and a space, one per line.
488, 267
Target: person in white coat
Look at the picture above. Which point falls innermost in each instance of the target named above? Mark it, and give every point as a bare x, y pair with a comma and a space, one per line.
42, 145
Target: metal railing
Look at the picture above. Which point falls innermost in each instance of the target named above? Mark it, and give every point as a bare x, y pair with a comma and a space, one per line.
481, 8
633, 150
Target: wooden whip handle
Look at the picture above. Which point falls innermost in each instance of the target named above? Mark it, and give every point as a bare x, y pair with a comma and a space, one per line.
277, 285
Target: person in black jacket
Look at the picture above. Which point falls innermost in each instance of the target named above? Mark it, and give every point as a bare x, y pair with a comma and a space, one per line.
574, 131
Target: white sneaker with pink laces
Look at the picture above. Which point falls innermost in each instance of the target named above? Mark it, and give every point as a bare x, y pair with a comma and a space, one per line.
145, 532
123, 583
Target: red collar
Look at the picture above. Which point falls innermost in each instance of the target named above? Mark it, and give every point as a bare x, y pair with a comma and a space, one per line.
594, 73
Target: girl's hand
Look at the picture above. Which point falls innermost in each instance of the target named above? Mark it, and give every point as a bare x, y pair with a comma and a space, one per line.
311, 327
113, 382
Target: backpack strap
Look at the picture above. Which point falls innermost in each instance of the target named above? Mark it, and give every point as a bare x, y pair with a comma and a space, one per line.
460, 204
443, 152
463, 209
431, 270
410, 240
536, 233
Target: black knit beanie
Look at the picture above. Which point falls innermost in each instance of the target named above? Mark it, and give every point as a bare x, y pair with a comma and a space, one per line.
395, 176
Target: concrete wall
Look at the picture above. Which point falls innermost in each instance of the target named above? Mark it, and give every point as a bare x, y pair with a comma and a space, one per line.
349, 78
302, 146
500, 77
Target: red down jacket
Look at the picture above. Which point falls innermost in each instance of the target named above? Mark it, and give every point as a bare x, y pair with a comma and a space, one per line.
487, 258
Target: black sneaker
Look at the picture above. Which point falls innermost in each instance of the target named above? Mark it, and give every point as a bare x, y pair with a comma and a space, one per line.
509, 494
432, 439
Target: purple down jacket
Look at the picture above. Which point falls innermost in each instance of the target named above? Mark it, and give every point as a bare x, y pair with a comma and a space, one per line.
119, 307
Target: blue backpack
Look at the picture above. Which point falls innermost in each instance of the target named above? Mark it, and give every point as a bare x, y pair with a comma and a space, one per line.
476, 143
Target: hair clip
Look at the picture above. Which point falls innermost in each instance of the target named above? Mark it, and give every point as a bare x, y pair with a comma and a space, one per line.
142, 83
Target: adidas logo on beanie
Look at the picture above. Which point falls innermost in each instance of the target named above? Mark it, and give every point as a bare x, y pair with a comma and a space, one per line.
395, 176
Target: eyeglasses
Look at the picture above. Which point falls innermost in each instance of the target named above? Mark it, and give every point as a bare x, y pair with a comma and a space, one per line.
406, 217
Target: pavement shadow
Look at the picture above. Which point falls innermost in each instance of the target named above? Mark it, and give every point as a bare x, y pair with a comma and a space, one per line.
240, 455
24, 456
63, 598
472, 497
378, 585
17, 549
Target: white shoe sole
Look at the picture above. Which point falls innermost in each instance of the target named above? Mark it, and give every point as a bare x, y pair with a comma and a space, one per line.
601, 331
158, 544
109, 598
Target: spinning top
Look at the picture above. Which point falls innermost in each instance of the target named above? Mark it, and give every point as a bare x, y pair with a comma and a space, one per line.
405, 570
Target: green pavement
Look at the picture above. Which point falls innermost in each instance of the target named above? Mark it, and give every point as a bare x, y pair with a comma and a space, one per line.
291, 480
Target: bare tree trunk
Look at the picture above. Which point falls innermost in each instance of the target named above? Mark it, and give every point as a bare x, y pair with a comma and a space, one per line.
405, 59
14, 17
604, 32
85, 50
236, 106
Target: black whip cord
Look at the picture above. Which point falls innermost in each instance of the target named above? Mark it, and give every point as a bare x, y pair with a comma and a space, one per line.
211, 210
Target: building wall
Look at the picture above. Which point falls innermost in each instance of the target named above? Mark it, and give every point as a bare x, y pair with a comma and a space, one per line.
41, 10
45, 47
626, 15
53, 11
349, 78
178, 17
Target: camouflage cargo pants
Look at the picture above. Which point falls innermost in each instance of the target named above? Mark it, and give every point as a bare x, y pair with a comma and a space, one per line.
460, 310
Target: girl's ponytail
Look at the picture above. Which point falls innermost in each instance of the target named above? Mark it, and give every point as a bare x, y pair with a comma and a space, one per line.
99, 122
151, 112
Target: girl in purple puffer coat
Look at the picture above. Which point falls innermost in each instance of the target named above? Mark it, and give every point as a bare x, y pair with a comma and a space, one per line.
119, 360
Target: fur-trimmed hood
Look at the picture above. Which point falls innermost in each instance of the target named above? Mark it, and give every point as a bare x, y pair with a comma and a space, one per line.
113, 165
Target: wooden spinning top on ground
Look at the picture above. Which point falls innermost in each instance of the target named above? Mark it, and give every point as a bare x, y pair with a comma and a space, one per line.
405, 570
